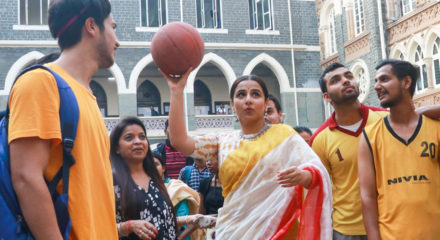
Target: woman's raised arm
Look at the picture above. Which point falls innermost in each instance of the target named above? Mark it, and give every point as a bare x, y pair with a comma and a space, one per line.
178, 136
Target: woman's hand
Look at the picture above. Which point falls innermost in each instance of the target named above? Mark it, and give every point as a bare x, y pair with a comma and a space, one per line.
143, 229
294, 176
177, 83
188, 219
207, 221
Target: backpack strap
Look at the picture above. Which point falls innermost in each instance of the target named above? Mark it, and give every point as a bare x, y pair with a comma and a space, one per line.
69, 115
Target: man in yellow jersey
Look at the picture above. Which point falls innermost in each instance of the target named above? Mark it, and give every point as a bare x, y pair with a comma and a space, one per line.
86, 36
336, 141
399, 162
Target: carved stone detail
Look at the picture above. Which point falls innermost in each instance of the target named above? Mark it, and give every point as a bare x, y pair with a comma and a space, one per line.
429, 98
357, 47
332, 59
414, 23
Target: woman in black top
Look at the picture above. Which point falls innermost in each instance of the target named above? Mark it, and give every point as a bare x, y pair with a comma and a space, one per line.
211, 198
143, 207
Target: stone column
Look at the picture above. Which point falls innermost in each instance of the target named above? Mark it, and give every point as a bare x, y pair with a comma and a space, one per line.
429, 72
127, 104
310, 109
349, 11
189, 112
325, 34
288, 106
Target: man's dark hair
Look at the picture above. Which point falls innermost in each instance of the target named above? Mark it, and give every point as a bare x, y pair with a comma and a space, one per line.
300, 129
275, 101
328, 69
402, 69
67, 17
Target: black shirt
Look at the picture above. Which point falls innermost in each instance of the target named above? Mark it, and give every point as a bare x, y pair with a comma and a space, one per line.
152, 207
212, 195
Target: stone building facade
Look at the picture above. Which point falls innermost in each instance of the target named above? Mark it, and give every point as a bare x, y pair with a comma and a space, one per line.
277, 40
361, 33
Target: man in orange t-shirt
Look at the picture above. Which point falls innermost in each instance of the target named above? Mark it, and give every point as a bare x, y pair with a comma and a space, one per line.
86, 36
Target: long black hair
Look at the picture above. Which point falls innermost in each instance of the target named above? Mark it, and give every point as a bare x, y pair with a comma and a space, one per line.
122, 176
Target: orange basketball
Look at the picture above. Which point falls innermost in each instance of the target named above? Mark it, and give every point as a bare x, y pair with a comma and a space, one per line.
177, 46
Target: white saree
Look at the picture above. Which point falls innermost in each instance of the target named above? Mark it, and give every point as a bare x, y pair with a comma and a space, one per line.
255, 205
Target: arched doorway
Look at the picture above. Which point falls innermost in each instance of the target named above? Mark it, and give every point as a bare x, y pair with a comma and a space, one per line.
202, 98
213, 78
269, 79
147, 96
101, 97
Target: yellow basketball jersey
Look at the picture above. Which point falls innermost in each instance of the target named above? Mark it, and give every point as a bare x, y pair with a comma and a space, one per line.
408, 180
337, 148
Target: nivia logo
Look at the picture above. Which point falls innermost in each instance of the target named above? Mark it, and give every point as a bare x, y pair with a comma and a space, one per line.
412, 179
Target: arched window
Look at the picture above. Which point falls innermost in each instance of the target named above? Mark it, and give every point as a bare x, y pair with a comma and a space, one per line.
148, 96
331, 34
202, 98
358, 17
101, 97
360, 73
363, 83
401, 57
418, 59
436, 60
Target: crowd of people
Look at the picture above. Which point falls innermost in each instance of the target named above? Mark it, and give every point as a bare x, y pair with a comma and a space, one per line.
365, 173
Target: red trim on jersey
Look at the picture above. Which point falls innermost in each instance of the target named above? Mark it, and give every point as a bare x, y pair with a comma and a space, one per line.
310, 224
331, 122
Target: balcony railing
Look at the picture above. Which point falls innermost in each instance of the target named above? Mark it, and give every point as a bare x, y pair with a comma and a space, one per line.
150, 123
215, 121
156, 125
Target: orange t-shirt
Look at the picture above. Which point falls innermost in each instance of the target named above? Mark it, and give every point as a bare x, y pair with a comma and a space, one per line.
34, 104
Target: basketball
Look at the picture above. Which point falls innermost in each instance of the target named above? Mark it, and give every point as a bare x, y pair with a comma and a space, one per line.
177, 46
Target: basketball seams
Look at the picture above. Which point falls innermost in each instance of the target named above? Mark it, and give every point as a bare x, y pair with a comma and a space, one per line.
193, 35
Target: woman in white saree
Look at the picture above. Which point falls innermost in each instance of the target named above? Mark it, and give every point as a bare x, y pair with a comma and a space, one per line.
263, 169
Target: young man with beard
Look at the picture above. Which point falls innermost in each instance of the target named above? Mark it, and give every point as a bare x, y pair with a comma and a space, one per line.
398, 157
86, 36
335, 143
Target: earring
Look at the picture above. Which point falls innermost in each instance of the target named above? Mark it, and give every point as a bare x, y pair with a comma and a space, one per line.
266, 119
236, 117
